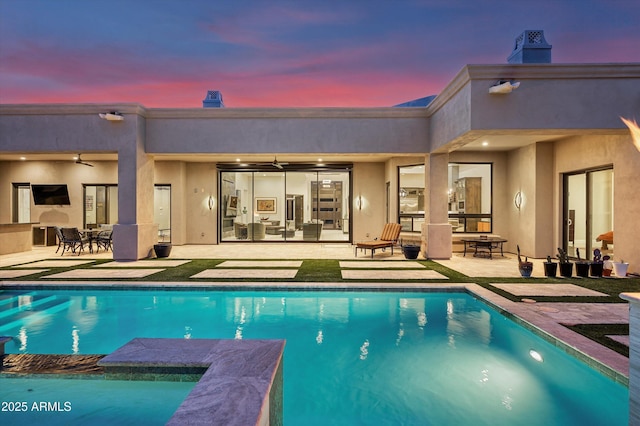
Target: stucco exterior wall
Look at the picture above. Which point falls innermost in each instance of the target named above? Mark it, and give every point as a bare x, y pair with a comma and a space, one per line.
54, 172
375, 130
368, 181
585, 152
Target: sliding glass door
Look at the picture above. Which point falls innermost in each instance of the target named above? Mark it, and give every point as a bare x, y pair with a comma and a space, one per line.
283, 205
588, 212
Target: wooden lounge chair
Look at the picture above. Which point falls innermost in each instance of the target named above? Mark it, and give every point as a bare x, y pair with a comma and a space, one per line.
388, 238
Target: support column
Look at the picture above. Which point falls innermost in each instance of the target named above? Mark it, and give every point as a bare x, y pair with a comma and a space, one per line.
136, 233
436, 230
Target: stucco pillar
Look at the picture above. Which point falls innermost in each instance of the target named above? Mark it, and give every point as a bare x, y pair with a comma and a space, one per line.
135, 234
436, 230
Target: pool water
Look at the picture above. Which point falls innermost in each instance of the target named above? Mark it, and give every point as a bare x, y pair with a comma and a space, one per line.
96, 402
350, 357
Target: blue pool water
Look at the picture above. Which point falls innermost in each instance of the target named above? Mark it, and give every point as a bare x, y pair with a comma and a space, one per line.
350, 357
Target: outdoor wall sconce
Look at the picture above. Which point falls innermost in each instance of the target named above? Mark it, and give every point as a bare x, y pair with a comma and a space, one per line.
503, 87
111, 116
210, 202
359, 202
517, 200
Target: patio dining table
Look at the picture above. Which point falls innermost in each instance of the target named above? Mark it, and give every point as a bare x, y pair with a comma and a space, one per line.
483, 246
91, 234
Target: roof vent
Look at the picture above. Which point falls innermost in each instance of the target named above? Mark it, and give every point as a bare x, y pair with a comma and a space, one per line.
213, 100
531, 48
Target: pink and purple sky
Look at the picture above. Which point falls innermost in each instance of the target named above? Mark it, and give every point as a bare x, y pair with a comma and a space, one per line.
279, 53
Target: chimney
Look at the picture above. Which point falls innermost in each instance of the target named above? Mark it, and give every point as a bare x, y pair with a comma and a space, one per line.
213, 100
531, 48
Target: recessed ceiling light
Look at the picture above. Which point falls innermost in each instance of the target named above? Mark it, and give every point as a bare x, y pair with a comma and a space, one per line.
485, 143
75, 157
23, 158
319, 160
238, 160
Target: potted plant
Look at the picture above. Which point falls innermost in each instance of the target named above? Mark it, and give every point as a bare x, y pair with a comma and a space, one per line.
582, 266
607, 266
526, 267
162, 249
566, 267
620, 268
550, 268
410, 250
597, 264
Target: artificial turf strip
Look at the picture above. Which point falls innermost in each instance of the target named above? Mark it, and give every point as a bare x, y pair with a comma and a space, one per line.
599, 332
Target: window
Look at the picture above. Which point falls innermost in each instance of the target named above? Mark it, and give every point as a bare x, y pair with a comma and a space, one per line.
21, 203
162, 212
470, 197
411, 197
100, 205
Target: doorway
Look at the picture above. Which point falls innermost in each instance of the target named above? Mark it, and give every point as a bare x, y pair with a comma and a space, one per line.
588, 212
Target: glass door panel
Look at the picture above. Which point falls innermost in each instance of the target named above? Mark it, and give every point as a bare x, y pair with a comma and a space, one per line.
162, 212
236, 207
601, 211
269, 206
576, 220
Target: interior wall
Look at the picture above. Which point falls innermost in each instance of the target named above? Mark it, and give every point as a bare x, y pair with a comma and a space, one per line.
174, 173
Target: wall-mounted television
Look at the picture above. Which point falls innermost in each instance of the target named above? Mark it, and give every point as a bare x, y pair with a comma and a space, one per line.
50, 195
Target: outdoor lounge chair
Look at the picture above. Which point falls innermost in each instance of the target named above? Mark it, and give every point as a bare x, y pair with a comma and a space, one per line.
388, 238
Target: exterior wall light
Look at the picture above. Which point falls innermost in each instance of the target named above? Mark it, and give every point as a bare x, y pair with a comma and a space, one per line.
111, 116
517, 200
503, 87
211, 202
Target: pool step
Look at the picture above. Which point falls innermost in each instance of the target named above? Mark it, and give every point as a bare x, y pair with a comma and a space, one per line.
27, 306
28, 317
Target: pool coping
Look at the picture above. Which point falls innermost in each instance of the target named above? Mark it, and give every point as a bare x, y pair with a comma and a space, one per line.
604, 360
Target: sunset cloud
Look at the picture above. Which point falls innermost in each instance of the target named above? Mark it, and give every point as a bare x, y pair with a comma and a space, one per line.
164, 53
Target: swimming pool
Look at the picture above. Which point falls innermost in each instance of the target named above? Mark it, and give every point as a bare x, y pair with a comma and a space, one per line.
350, 357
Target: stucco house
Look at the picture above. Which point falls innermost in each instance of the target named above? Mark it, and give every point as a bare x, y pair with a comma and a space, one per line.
533, 151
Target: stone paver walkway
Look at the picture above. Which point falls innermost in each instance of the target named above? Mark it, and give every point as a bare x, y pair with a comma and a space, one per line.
260, 264
8, 273
246, 273
418, 274
381, 264
164, 263
584, 313
54, 264
539, 289
97, 273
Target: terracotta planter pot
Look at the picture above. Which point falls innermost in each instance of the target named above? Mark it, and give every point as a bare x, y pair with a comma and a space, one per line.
550, 269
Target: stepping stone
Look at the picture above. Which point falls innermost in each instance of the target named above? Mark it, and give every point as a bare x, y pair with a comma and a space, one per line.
619, 338
8, 273
54, 264
381, 264
246, 273
392, 275
520, 289
260, 264
103, 274
143, 263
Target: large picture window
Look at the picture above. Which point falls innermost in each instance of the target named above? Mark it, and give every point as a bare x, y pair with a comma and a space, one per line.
284, 205
411, 197
470, 197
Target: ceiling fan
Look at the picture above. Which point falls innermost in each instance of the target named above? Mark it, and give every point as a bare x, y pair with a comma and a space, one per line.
79, 161
275, 163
